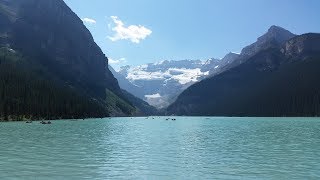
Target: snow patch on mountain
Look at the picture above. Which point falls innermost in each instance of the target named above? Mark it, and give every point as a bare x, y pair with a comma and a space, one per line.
182, 75
161, 82
185, 76
153, 96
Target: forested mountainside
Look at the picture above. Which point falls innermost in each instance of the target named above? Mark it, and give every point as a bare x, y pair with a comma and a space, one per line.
51, 67
280, 79
27, 92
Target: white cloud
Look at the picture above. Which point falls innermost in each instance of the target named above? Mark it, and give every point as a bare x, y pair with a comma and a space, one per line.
134, 33
117, 61
89, 20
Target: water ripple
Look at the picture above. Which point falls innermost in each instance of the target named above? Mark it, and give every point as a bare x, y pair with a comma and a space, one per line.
189, 148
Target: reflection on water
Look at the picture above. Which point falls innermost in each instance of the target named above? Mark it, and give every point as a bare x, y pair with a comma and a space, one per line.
189, 148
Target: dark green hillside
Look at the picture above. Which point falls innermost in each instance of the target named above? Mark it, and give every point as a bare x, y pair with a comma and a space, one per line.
26, 92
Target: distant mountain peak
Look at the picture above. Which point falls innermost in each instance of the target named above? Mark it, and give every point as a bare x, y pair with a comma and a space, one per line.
230, 54
275, 36
275, 28
276, 33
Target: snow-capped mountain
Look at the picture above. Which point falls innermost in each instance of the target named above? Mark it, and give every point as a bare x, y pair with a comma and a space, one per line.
160, 83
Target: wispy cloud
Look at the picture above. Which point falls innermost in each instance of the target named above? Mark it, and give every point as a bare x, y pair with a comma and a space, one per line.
134, 33
117, 61
89, 20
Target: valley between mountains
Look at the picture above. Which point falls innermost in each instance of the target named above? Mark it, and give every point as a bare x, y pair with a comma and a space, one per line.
51, 68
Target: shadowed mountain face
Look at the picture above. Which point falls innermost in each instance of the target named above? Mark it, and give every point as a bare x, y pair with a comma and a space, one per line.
53, 39
278, 78
50, 30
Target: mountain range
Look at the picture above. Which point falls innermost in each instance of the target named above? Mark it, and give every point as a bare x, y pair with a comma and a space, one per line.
160, 83
275, 76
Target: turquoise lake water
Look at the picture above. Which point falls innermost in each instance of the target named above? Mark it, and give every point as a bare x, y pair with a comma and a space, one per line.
140, 148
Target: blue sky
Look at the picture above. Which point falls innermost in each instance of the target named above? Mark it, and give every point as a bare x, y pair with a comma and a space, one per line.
135, 32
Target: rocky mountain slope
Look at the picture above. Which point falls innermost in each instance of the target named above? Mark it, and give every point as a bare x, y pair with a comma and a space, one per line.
277, 77
51, 43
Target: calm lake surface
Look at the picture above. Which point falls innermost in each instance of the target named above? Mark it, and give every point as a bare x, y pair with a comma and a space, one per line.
140, 148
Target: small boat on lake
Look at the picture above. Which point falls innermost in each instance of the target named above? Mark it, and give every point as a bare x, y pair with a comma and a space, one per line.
43, 122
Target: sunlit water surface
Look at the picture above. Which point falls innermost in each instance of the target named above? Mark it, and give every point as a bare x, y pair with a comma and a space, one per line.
140, 148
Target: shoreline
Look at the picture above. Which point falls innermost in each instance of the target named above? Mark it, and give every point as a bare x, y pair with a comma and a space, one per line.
147, 117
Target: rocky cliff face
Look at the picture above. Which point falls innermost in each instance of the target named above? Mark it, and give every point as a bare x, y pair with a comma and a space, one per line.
304, 45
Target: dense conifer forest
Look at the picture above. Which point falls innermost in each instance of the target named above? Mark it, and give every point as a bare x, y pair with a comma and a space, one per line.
25, 93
